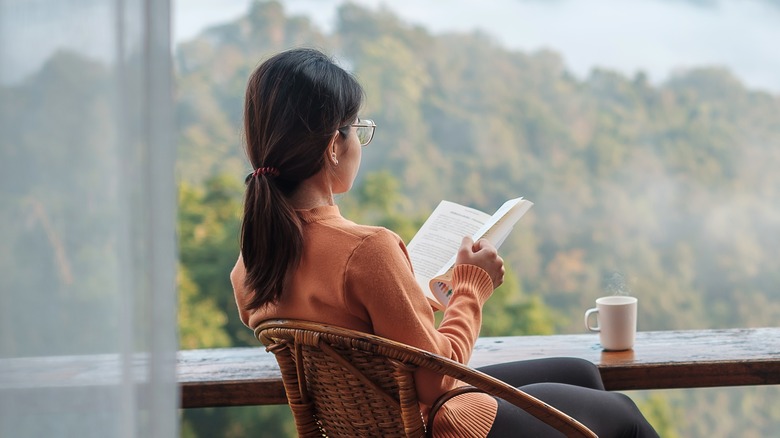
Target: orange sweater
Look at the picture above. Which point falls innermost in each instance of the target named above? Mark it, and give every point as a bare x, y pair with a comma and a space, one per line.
360, 277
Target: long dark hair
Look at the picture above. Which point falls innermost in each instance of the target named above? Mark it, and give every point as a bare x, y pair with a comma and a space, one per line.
295, 103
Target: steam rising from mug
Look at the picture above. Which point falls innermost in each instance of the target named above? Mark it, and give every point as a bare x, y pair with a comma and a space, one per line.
616, 284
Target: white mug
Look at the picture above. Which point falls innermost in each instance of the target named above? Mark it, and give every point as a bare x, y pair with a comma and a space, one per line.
616, 321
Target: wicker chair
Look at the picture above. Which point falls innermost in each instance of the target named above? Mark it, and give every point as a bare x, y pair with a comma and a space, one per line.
344, 383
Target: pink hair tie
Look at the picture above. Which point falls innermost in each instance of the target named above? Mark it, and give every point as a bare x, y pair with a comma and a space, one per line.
272, 171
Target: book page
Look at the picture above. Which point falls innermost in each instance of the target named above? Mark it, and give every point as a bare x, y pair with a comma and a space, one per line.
439, 239
496, 229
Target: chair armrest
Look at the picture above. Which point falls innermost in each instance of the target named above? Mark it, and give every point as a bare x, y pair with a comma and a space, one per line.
480, 381
444, 398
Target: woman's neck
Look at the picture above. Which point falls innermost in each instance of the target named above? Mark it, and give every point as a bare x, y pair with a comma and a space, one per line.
304, 202
313, 192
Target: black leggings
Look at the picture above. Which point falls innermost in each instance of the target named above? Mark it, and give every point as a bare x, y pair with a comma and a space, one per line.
571, 385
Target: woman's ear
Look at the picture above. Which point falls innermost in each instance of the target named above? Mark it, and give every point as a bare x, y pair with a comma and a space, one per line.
332, 151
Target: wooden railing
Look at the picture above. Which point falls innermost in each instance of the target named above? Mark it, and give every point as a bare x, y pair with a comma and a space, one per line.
659, 360
250, 376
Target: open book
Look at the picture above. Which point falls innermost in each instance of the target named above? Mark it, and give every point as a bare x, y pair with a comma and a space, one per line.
434, 248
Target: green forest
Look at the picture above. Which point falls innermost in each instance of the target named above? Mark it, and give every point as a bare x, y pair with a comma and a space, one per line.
665, 191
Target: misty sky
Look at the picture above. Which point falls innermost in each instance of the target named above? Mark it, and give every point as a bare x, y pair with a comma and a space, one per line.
654, 36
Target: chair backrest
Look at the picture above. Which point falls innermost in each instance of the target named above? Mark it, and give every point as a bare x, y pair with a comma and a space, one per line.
338, 387
344, 383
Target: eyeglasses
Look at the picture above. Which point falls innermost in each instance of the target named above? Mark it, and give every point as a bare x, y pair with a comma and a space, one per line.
365, 130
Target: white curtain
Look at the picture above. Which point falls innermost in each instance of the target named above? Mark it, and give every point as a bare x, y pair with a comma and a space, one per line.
87, 215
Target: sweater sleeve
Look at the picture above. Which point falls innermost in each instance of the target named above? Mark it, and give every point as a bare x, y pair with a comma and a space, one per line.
379, 282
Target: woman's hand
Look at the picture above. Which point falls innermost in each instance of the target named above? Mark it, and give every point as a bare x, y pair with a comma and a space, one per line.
483, 254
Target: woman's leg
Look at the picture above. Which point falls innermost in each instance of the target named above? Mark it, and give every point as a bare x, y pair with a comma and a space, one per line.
569, 370
608, 414
571, 385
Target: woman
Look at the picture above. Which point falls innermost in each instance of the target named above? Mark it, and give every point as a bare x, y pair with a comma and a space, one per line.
301, 259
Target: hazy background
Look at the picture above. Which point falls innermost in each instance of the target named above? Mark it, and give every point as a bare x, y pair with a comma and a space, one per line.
654, 36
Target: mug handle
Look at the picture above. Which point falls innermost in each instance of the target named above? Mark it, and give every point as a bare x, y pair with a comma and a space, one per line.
587, 317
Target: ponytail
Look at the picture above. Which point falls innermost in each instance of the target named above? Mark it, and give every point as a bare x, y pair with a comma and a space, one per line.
271, 240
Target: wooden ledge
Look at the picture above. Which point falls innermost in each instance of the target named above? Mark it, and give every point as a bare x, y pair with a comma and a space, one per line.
250, 376
659, 360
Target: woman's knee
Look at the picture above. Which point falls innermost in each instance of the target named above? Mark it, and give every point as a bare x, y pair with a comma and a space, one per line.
584, 373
